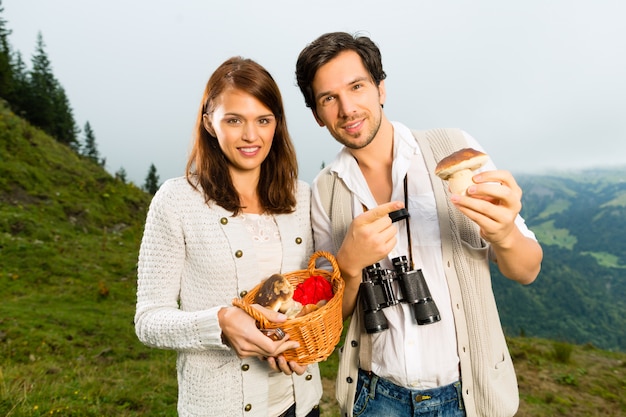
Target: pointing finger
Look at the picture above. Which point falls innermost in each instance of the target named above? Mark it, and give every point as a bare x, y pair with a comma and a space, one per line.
371, 216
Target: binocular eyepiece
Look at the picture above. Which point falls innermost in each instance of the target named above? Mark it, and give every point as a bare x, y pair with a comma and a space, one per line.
377, 292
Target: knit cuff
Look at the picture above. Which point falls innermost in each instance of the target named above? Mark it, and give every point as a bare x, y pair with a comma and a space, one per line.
209, 330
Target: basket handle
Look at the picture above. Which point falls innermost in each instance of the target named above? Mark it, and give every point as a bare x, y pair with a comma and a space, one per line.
262, 321
323, 254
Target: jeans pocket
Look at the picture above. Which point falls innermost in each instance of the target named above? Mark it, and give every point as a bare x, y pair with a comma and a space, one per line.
362, 395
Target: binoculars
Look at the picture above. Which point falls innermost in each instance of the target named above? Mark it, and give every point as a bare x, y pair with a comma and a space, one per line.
377, 292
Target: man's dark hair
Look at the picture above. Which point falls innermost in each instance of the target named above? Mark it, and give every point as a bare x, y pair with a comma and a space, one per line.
327, 47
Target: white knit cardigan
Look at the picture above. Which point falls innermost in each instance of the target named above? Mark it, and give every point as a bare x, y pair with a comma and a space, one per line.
194, 259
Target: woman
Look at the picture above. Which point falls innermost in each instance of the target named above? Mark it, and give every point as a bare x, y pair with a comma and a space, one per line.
238, 216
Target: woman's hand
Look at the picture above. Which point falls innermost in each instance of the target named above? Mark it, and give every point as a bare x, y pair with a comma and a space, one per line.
241, 334
280, 364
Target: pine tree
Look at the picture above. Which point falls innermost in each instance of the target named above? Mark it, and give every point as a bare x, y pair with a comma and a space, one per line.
21, 91
152, 180
64, 127
121, 175
47, 106
6, 67
90, 149
39, 108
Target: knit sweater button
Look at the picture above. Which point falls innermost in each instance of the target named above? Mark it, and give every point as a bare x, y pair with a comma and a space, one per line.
243, 293
245, 367
308, 377
224, 220
239, 254
298, 240
248, 407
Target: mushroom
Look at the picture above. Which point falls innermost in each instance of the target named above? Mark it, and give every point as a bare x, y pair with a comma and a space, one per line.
276, 293
457, 168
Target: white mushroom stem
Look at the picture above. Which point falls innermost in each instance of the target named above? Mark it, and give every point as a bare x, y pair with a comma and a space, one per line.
460, 181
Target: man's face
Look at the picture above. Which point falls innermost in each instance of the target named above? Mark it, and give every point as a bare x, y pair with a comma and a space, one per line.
347, 101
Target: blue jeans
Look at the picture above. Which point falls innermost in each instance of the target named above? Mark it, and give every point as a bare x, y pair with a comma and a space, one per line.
378, 397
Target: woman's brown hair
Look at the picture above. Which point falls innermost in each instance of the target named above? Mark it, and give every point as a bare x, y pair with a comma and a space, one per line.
207, 167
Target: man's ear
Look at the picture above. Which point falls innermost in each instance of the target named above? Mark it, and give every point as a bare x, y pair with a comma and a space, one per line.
317, 119
206, 122
382, 93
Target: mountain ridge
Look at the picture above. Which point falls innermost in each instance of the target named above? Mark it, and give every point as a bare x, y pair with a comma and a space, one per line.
580, 220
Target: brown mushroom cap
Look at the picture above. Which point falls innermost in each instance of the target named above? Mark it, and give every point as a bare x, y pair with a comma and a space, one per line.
274, 292
466, 158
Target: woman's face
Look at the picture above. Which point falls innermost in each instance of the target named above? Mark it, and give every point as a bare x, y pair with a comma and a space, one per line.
244, 128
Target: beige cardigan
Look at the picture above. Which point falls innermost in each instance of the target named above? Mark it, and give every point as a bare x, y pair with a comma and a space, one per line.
489, 384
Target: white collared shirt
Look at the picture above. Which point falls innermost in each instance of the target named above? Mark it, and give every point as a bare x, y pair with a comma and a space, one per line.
408, 354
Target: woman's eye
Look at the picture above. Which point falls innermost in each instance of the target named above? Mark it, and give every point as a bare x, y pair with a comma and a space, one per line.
266, 120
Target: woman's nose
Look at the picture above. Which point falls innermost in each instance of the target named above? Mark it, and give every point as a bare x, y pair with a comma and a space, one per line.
249, 132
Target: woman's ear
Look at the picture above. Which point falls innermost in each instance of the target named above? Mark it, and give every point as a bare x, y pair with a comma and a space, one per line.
206, 122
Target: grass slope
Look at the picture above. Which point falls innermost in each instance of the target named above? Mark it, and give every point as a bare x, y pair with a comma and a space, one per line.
555, 379
69, 238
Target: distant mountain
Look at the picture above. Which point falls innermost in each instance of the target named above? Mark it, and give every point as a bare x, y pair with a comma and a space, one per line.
580, 295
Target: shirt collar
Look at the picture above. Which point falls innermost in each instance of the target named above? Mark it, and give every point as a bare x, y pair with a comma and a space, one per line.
404, 149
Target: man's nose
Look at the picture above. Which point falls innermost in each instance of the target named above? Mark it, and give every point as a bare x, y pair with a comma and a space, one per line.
346, 106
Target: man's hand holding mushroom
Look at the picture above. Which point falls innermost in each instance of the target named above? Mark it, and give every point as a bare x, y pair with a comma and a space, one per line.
493, 203
493, 200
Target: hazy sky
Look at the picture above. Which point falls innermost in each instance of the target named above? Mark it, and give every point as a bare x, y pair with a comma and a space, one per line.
541, 84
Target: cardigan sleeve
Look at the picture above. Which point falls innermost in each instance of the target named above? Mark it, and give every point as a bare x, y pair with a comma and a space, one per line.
159, 322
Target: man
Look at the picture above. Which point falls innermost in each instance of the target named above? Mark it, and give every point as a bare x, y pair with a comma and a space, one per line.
458, 365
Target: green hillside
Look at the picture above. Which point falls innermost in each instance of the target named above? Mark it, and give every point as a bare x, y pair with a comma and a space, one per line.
69, 238
580, 294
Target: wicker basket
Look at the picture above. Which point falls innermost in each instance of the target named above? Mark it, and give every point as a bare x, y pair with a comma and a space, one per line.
319, 331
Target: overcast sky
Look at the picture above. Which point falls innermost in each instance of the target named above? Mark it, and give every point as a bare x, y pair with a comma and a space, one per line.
540, 84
